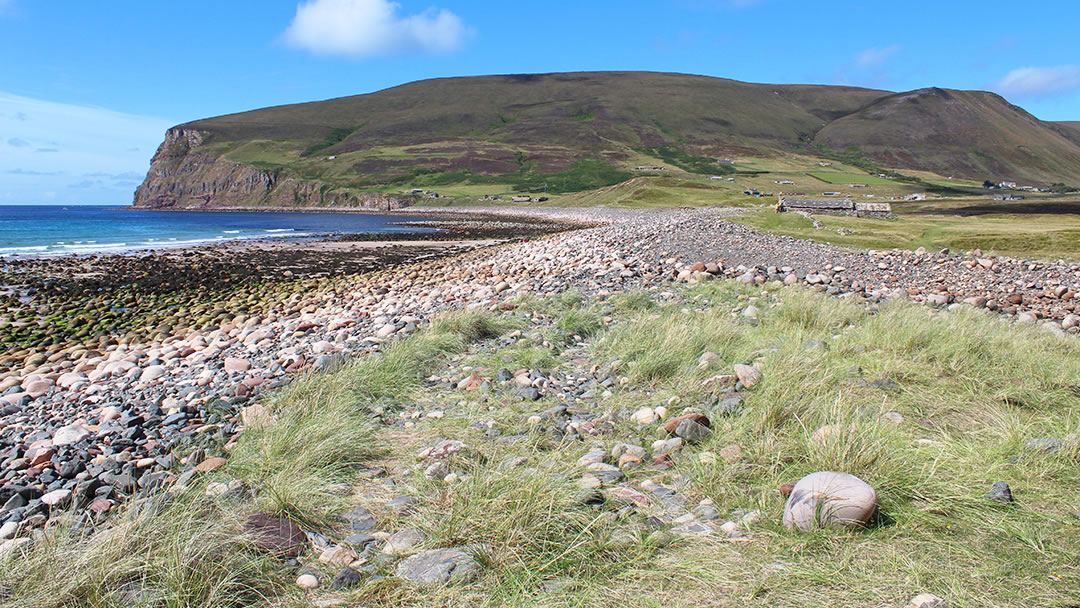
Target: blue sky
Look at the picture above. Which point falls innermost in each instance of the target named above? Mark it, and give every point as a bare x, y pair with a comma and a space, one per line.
87, 89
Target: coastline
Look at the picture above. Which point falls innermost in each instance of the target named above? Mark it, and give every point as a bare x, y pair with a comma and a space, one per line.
422, 226
193, 336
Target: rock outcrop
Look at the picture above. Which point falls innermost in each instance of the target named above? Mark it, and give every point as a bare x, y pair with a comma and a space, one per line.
183, 175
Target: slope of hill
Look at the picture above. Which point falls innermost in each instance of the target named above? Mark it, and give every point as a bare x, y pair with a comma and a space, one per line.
579, 131
964, 133
1069, 128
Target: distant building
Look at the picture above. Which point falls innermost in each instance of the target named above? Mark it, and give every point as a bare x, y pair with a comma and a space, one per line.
875, 210
651, 168
836, 206
1007, 185
822, 205
521, 199
921, 196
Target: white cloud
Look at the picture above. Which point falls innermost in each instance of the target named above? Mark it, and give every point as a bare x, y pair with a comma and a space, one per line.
875, 56
1038, 82
55, 143
365, 28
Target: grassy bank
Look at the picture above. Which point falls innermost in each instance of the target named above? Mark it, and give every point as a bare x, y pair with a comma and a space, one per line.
929, 408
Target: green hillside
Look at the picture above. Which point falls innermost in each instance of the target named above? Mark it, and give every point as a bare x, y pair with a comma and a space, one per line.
574, 132
962, 133
1070, 129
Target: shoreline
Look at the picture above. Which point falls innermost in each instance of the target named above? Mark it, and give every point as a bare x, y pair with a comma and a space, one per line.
426, 226
195, 336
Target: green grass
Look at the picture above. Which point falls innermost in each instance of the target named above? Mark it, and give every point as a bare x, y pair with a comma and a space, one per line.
689, 162
1033, 235
331, 139
955, 373
969, 387
849, 178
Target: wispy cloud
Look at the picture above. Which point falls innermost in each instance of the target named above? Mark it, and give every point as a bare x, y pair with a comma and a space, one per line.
868, 67
366, 28
1029, 83
873, 57
123, 177
34, 173
55, 144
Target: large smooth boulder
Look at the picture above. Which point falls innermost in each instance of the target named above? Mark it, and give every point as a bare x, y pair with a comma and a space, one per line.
829, 499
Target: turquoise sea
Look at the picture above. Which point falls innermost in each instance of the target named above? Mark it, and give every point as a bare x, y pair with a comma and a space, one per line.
40, 230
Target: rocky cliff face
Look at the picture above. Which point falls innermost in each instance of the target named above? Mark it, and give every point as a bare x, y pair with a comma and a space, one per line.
182, 176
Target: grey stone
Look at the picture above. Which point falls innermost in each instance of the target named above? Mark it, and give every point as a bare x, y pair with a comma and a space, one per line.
1045, 444
403, 541
345, 578
1000, 492
926, 600
693, 432
359, 540
692, 528
729, 404
438, 567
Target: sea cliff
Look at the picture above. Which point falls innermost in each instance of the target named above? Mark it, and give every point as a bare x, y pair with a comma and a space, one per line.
183, 175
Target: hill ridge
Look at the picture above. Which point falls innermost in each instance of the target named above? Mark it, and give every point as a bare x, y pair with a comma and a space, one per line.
578, 131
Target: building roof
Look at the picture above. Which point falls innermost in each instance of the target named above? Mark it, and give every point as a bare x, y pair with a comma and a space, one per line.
823, 203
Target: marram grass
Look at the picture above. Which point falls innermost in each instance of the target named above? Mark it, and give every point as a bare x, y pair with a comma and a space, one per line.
963, 391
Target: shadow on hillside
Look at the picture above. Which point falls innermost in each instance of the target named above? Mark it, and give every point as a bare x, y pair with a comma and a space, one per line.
1056, 208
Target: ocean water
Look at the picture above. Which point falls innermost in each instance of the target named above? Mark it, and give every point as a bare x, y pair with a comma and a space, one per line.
39, 230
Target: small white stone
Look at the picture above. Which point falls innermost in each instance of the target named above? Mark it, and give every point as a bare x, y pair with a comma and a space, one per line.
8, 530
307, 581
55, 497
645, 415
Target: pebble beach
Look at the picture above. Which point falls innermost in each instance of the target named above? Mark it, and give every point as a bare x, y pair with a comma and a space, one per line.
113, 365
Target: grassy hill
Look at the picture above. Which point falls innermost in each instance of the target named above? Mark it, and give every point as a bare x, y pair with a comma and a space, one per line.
1070, 129
963, 133
574, 132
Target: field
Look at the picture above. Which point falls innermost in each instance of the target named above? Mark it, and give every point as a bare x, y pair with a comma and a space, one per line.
1041, 227
851, 178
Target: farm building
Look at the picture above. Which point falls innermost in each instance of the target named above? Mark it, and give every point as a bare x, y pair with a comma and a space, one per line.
835, 206
821, 205
878, 210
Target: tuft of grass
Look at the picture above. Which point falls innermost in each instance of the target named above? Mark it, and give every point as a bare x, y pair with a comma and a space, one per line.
192, 552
